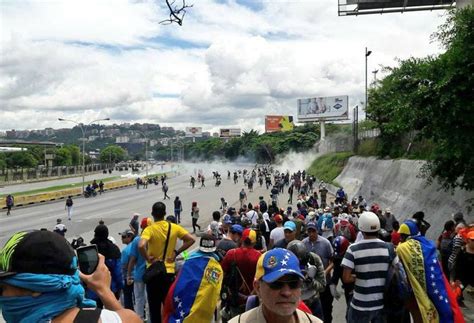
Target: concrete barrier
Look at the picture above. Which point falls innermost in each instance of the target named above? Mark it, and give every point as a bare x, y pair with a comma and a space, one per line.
23, 200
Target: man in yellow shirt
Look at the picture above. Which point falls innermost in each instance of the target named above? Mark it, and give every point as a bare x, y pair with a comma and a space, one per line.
152, 247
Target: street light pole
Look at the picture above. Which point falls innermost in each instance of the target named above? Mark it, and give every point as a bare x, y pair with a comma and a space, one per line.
146, 151
82, 127
367, 53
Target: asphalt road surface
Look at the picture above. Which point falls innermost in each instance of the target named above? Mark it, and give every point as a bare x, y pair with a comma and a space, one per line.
116, 209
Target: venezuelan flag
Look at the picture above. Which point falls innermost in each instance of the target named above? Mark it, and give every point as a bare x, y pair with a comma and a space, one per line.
433, 294
195, 292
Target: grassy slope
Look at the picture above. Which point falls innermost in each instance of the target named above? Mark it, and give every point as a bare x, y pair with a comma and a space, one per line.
328, 167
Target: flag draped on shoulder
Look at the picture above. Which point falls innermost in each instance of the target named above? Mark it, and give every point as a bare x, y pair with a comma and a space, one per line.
434, 297
195, 292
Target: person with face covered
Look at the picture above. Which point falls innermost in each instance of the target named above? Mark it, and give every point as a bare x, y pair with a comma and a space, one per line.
40, 282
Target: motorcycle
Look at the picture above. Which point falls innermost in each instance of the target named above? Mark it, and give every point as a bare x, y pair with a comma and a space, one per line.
89, 194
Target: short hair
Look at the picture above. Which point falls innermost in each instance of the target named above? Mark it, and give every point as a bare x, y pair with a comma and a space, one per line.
216, 215
158, 210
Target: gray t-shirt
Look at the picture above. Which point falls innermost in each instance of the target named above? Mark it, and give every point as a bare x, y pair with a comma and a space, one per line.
322, 247
226, 245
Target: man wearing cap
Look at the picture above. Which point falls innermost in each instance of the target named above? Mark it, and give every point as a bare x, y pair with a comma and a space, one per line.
239, 285
127, 238
323, 248
289, 230
278, 281
389, 220
152, 246
277, 233
232, 239
40, 282
195, 292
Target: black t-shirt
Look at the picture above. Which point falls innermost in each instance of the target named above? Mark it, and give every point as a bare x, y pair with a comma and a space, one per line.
134, 224
177, 204
226, 245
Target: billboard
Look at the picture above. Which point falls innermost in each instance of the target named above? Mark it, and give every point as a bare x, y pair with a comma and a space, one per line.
323, 108
193, 132
278, 123
229, 132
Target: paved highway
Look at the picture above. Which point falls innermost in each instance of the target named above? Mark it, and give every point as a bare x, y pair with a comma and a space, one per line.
116, 208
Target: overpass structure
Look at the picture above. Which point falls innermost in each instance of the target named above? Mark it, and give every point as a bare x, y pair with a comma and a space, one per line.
16, 142
366, 7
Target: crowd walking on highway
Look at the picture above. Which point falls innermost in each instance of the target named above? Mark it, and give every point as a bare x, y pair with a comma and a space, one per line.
258, 260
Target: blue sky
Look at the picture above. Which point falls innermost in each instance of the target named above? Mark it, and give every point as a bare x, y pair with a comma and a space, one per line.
231, 63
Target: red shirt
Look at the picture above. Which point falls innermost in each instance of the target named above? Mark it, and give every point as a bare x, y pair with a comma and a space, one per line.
395, 238
246, 259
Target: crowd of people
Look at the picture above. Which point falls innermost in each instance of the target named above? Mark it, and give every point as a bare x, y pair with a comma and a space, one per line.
256, 262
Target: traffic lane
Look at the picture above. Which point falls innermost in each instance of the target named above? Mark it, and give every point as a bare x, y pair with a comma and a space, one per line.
22, 187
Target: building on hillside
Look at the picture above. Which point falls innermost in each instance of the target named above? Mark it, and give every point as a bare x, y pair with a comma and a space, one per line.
122, 139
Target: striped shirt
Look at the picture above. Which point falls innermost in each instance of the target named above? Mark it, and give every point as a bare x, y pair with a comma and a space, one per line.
369, 259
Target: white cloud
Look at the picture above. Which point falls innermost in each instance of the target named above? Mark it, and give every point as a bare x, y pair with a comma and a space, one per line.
228, 65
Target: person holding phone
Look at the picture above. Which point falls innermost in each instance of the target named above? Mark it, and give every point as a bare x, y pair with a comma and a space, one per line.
40, 281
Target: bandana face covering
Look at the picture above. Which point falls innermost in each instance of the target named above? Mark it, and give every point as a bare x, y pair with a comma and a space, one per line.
58, 293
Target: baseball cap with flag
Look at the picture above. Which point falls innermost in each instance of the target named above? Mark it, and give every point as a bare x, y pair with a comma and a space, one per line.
276, 263
249, 234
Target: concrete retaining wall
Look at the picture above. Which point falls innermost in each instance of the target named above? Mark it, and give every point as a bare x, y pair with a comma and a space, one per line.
396, 184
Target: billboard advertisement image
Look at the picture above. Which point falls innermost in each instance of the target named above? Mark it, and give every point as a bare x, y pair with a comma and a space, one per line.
193, 132
229, 132
323, 108
278, 123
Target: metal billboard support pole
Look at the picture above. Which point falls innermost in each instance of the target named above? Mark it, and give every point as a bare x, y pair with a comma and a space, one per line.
323, 129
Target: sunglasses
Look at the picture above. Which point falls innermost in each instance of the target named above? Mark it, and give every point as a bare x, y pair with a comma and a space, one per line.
293, 284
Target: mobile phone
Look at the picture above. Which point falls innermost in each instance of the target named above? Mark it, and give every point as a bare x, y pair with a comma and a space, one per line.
88, 257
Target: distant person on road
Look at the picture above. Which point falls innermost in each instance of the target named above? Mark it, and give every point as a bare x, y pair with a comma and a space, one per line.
178, 208
242, 197
195, 216
10, 201
68, 207
323, 192
165, 191
101, 187
60, 228
202, 181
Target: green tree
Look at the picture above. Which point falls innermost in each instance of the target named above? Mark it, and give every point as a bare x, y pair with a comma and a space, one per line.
112, 154
22, 159
433, 98
63, 157
75, 153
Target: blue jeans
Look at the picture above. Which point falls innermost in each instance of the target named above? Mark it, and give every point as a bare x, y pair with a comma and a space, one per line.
355, 316
139, 290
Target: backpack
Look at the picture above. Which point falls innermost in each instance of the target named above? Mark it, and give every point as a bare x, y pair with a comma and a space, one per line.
445, 247
397, 289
